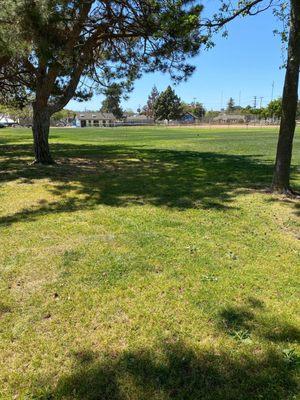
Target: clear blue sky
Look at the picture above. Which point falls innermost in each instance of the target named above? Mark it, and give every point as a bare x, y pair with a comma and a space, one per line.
242, 66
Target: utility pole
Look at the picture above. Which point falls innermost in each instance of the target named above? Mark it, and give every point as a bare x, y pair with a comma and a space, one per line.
272, 93
221, 100
240, 98
254, 101
261, 99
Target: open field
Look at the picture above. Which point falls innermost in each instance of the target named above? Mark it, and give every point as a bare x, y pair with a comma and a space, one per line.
150, 263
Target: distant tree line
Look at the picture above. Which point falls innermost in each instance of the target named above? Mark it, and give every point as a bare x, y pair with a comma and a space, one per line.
159, 106
272, 110
168, 106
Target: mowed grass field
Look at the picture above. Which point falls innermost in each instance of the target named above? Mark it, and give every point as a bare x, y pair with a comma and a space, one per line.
149, 263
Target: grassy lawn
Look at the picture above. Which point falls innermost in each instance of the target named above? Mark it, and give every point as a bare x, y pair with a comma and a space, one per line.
150, 263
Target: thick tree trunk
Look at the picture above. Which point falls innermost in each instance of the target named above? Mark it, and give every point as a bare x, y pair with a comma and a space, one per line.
281, 177
41, 126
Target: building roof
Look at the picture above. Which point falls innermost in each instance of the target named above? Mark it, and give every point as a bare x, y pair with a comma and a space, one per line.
139, 117
94, 115
4, 119
230, 117
188, 114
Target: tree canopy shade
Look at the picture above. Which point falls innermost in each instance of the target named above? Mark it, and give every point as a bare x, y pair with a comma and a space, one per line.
59, 50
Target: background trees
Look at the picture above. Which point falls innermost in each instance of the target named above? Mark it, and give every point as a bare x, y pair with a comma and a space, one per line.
168, 106
112, 101
148, 109
198, 110
230, 105
195, 108
274, 109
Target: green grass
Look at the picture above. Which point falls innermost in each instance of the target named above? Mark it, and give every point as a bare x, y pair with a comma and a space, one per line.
150, 263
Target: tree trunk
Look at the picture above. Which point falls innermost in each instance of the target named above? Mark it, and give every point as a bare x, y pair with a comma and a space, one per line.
41, 126
281, 177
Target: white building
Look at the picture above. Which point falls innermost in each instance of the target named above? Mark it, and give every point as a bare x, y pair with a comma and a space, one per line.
6, 121
94, 119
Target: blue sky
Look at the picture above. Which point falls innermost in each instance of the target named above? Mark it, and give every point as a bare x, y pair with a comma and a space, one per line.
242, 66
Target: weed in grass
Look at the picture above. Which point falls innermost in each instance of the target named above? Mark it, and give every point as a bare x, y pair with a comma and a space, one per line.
192, 249
291, 357
232, 256
242, 335
209, 278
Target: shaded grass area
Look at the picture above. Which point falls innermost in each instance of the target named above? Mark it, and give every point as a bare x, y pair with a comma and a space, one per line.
181, 374
120, 175
147, 264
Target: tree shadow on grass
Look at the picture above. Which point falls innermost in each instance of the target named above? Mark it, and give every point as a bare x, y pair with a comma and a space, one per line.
90, 175
177, 372
243, 321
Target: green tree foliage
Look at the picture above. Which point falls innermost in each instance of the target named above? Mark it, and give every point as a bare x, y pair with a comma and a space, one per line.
23, 115
129, 112
111, 103
260, 113
198, 110
168, 106
195, 108
274, 108
148, 109
230, 105
64, 49
64, 114
212, 114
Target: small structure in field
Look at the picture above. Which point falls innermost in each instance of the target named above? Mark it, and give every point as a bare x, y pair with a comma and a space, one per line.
188, 118
94, 119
